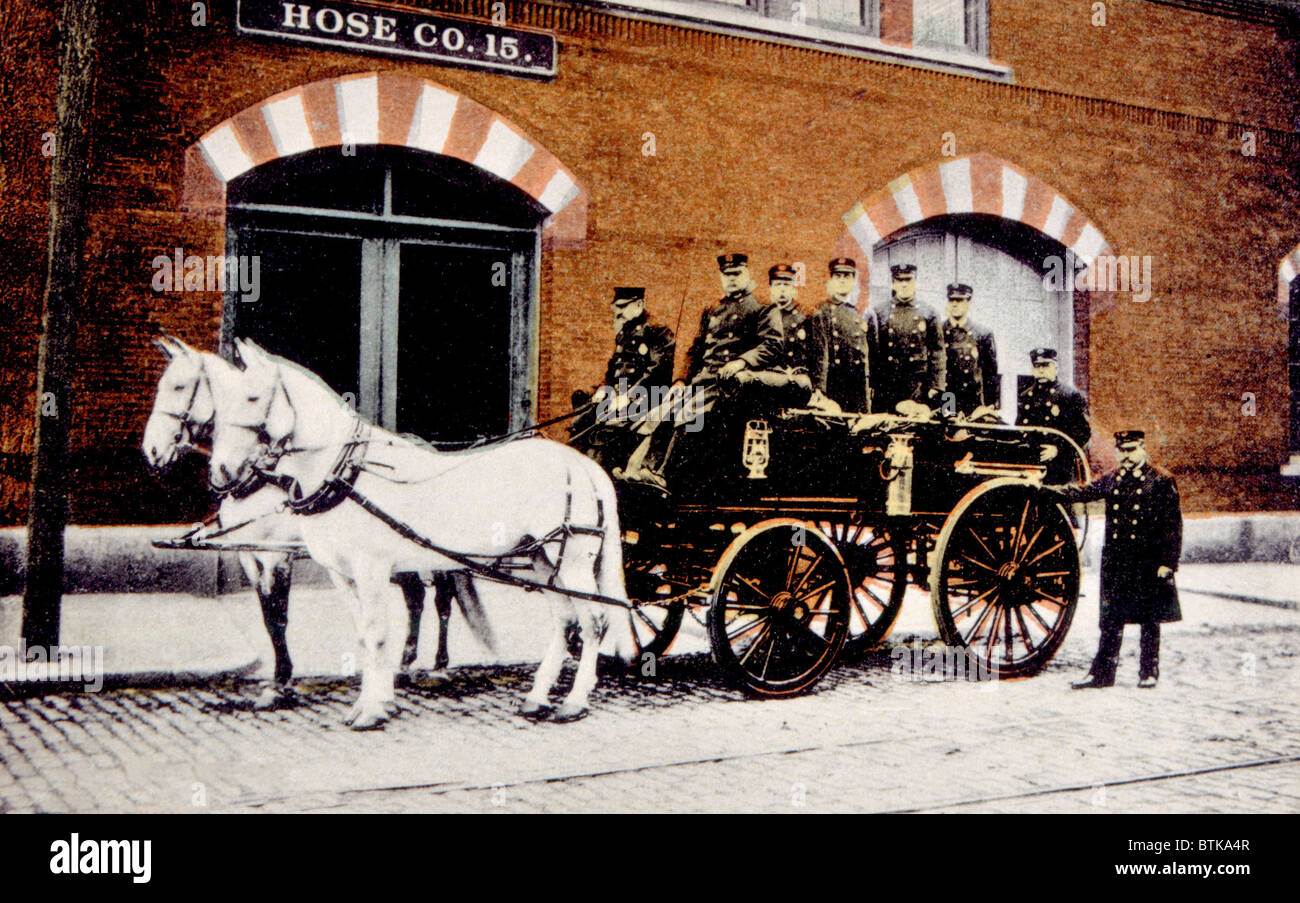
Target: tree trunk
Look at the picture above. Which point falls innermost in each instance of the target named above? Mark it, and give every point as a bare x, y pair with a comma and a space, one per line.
69, 171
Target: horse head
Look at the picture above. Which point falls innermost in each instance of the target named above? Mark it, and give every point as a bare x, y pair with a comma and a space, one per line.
182, 406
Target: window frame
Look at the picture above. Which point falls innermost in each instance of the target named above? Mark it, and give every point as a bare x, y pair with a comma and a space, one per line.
751, 22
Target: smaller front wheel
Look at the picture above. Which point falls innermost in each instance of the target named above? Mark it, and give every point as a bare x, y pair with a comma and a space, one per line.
779, 613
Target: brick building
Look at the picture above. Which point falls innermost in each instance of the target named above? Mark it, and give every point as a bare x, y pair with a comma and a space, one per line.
486, 214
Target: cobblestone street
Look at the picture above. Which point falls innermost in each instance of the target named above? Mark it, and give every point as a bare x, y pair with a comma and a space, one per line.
1218, 734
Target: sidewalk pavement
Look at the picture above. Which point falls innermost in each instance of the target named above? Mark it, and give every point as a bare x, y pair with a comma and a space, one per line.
150, 638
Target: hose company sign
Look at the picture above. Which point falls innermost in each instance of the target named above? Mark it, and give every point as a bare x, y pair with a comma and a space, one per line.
400, 32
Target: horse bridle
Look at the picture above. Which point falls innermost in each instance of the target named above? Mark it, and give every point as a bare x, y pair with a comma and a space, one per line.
185, 436
338, 481
266, 462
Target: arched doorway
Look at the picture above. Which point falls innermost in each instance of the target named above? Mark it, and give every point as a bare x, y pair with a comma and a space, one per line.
400, 225
1006, 264
983, 220
400, 277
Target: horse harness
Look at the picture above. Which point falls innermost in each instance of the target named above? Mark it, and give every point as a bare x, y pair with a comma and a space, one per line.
340, 484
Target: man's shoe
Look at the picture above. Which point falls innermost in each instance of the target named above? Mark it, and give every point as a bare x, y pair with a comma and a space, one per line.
1147, 683
1092, 683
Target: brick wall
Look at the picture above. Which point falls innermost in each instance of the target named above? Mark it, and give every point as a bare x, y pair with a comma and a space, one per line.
760, 148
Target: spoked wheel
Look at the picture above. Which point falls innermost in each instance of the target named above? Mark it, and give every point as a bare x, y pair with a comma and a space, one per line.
654, 625
780, 608
1006, 577
876, 560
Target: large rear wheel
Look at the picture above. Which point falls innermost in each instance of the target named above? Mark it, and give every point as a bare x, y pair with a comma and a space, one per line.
779, 614
1005, 580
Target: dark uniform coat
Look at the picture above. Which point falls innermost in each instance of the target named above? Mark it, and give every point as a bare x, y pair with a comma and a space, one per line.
643, 354
972, 371
1056, 406
795, 350
911, 363
1144, 532
737, 327
840, 343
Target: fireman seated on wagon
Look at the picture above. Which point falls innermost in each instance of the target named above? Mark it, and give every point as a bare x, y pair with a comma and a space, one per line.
638, 375
737, 334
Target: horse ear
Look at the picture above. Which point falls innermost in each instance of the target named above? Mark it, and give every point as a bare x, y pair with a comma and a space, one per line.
251, 353
163, 347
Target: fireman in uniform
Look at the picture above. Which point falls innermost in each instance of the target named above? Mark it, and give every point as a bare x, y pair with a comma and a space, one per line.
1045, 402
736, 334
1144, 538
972, 371
912, 362
841, 342
640, 369
786, 383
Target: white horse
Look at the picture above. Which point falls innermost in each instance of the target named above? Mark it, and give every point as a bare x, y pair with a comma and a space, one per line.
377, 504
181, 416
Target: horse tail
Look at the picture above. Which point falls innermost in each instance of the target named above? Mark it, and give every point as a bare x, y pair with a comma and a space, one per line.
470, 606
609, 566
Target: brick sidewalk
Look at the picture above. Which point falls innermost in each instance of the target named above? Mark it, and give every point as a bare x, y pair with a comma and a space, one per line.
864, 741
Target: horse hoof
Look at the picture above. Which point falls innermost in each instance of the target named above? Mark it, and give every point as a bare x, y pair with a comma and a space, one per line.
534, 711
567, 713
429, 680
271, 698
368, 717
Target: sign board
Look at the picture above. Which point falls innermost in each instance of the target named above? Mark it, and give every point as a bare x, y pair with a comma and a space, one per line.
400, 32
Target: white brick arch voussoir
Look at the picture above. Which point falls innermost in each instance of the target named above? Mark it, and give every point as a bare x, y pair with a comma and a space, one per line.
384, 109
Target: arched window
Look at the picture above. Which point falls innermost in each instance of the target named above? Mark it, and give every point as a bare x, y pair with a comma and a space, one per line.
405, 279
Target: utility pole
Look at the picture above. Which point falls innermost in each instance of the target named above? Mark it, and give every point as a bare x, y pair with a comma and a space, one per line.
69, 171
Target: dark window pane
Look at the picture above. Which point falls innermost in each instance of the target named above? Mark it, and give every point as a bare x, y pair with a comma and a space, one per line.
453, 359
323, 178
446, 188
309, 309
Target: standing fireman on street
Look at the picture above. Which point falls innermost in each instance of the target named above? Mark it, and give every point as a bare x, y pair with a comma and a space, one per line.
972, 371
1144, 540
840, 342
912, 363
642, 360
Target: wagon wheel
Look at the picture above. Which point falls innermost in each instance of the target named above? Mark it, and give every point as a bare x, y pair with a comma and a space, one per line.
780, 608
1006, 577
877, 560
654, 625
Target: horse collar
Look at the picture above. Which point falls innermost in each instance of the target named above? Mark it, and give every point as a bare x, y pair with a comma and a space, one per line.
338, 482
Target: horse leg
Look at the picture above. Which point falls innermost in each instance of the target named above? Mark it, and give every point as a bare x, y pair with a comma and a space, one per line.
378, 609
413, 590
536, 704
574, 705
577, 571
348, 587
444, 591
270, 577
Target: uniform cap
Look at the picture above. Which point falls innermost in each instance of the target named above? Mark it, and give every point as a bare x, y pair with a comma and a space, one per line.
959, 290
782, 272
1126, 437
625, 295
843, 265
732, 261
1038, 355
903, 270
